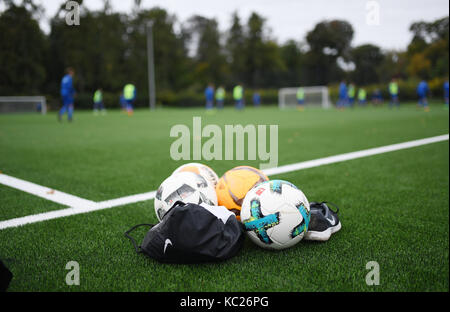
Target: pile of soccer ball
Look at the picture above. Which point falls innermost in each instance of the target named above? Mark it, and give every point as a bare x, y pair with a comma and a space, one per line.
275, 213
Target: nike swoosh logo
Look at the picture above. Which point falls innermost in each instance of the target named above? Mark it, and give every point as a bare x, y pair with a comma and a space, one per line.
332, 221
167, 242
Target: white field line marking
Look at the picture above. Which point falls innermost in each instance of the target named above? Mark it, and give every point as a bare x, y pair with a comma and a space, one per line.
272, 171
45, 192
126, 200
76, 210
353, 155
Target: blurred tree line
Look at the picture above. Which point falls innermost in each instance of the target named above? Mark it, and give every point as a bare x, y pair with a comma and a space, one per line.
108, 49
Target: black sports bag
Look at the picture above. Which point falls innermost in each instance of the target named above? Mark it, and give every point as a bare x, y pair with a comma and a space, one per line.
5, 277
190, 233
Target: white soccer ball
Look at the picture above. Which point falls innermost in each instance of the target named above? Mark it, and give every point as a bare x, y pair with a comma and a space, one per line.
202, 170
275, 214
187, 187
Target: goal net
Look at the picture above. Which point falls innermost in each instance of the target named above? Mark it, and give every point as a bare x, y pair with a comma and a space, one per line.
313, 96
22, 104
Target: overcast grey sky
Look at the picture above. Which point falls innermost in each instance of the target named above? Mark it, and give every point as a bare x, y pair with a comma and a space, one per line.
292, 19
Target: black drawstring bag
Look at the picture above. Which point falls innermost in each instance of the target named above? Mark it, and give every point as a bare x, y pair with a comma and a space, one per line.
190, 233
5, 277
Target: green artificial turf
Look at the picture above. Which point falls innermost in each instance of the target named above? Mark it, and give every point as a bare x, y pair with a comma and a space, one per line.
393, 206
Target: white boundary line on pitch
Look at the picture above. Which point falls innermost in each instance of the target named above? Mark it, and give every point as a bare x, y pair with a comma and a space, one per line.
45, 192
92, 206
55, 214
353, 155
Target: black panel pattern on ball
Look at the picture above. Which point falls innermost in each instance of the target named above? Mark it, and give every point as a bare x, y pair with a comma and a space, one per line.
161, 213
201, 182
159, 193
203, 199
180, 194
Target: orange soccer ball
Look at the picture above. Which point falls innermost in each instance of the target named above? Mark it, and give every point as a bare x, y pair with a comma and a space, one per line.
234, 185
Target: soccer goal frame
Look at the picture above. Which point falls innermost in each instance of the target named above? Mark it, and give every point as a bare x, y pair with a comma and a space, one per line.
321, 91
9, 104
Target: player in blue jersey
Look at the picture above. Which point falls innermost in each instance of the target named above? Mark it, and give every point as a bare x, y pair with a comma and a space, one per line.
446, 93
377, 97
220, 97
422, 92
129, 95
238, 96
98, 102
256, 99
351, 92
393, 91
343, 95
300, 95
67, 94
122, 102
209, 96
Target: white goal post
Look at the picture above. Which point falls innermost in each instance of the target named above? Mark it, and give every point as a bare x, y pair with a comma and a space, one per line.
315, 95
16, 104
